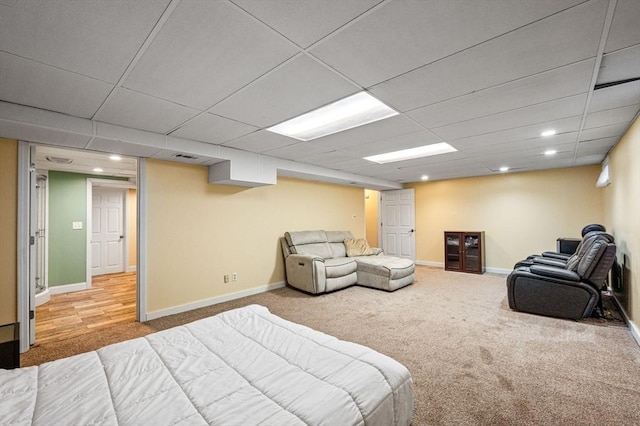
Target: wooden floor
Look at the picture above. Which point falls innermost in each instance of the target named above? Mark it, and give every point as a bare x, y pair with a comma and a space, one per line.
111, 300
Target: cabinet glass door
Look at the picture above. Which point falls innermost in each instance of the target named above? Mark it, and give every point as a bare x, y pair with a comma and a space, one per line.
453, 260
472, 252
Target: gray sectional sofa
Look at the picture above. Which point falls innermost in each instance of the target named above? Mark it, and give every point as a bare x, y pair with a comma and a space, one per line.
317, 262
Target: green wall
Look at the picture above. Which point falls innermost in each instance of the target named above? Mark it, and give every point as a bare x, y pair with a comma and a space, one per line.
67, 247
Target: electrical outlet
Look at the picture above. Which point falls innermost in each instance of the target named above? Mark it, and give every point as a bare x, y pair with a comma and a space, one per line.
234, 276
226, 278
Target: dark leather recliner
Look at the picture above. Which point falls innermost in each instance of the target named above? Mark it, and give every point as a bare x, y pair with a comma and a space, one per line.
569, 291
554, 258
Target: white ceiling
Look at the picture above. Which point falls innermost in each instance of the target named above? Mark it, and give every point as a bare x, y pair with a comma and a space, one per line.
486, 76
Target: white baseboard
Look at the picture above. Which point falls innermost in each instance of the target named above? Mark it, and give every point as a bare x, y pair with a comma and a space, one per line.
131, 268
68, 288
427, 263
633, 327
500, 271
213, 301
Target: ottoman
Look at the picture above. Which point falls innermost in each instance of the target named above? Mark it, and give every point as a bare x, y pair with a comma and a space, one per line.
385, 272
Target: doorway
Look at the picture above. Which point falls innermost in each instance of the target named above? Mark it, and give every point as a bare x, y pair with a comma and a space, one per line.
63, 254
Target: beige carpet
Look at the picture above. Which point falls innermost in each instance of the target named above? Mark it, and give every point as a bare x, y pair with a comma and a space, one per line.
473, 360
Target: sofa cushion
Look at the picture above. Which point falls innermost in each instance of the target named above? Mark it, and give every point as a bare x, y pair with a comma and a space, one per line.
312, 243
339, 267
386, 266
305, 237
336, 242
357, 247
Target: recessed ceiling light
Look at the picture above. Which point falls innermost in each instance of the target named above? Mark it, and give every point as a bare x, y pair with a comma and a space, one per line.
411, 153
115, 157
548, 133
424, 177
98, 170
352, 111
550, 152
504, 169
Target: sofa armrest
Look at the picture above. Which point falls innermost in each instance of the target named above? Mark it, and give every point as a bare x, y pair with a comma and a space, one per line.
377, 251
554, 255
557, 263
550, 271
306, 272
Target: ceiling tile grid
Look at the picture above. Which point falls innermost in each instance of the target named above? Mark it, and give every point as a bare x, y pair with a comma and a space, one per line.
485, 76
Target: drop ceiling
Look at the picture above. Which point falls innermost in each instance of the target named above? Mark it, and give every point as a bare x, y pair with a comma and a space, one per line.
487, 77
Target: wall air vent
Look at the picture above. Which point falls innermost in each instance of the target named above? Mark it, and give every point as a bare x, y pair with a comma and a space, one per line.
185, 156
59, 160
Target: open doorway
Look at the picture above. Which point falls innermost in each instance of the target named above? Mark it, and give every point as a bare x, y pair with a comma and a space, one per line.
86, 248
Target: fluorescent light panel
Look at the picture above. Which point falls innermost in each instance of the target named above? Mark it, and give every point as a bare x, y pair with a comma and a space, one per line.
411, 153
353, 111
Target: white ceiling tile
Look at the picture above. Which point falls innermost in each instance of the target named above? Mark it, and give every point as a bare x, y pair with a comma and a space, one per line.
297, 87
348, 163
561, 39
615, 96
260, 141
305, 22
94, 38
422, 33
383, 129
620, 65
611, 116
597, 146
26, 82
539, 144
433, 159
214, 129
328, 159
296, 151
585, 160
558, 83
139, 111
27, 132
118, 147
407, 141
540, 113
533, 131
625, 27
206, 51
615, 130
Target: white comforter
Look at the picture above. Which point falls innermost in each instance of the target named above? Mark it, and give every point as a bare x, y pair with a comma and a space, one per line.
242, 367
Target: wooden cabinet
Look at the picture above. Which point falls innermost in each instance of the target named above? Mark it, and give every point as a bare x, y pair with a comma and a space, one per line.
464, 251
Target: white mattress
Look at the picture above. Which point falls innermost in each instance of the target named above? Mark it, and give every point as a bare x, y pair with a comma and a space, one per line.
242, 367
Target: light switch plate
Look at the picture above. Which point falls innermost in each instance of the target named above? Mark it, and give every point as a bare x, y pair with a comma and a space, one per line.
76, 225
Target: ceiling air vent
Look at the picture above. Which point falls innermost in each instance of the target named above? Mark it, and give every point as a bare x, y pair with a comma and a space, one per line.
185, 156
59, 160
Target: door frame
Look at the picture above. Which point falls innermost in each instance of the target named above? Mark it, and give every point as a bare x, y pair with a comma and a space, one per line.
22, 243
123, 185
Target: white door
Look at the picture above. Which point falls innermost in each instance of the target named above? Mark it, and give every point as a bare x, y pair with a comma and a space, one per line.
398, 223
33, 230
107, 231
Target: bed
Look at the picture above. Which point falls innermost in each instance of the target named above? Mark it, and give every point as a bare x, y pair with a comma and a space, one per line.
242, 367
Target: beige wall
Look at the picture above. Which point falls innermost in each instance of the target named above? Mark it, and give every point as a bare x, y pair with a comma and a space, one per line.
371, 203
521, 213
622, 214
131, 226
199, 232
8, 224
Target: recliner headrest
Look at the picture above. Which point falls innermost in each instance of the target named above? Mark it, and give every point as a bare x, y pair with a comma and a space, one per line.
593, 227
